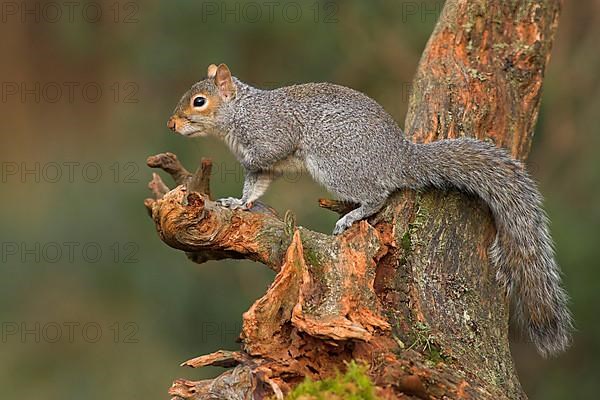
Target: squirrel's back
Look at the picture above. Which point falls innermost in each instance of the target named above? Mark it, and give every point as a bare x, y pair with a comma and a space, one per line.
343, 133
323, 106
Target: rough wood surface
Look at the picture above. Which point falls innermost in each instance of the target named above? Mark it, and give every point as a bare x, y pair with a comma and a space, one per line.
481, 73
411, 291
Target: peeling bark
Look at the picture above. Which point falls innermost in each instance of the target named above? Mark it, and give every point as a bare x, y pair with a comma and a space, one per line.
410, 291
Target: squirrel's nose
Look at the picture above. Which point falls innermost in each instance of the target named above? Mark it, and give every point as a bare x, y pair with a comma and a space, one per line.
171, 124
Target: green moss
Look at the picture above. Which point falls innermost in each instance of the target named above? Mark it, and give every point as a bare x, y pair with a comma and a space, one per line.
421, 217
499, 46
355, 384
425, 343
406, 242
435, 356
475, 73
423, 336
311, 257
409, 238
290, 223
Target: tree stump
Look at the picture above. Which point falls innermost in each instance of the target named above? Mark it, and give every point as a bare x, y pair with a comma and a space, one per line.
410, 291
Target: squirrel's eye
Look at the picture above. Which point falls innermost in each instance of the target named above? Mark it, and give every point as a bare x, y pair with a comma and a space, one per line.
199, 101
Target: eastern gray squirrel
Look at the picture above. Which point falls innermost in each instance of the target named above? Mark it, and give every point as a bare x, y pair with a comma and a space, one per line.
350, 145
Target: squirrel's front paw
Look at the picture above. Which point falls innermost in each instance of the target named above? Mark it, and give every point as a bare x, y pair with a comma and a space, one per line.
233, 203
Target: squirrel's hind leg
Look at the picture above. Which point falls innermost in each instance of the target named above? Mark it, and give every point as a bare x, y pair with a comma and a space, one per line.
365, 210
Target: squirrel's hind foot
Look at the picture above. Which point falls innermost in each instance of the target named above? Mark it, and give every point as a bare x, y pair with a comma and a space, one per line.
342, 224
365, 210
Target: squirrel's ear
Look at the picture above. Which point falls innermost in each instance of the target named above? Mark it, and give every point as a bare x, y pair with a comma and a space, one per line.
212, 71
224, 81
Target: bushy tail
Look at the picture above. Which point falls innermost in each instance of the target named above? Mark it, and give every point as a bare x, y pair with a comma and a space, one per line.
522, 251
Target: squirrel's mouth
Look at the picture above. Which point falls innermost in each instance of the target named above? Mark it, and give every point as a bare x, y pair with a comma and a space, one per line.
188, 130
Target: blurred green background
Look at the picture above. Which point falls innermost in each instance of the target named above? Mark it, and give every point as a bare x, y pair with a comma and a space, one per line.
93, 305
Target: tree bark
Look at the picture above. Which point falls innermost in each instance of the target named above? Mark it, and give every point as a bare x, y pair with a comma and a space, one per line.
410, 291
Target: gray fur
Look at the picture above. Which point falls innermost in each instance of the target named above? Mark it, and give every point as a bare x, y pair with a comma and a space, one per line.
350, 145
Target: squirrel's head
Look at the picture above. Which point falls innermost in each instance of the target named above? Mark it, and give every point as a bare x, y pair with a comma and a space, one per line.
195, 115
